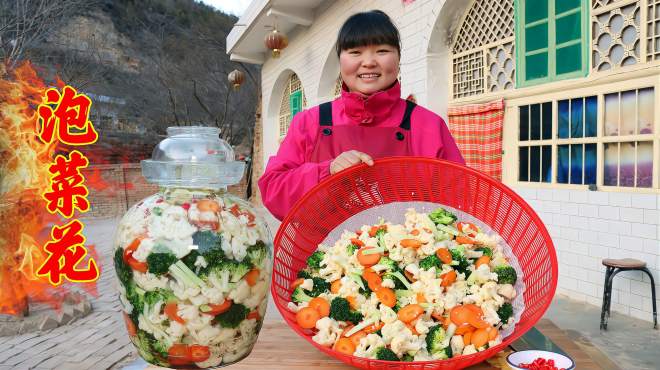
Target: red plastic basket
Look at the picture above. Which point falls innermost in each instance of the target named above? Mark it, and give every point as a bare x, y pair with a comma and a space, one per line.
406, 179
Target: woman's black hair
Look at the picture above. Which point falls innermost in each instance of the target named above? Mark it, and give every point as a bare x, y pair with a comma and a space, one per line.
368, 28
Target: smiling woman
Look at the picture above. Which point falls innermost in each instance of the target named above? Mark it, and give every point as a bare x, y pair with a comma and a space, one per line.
369, 120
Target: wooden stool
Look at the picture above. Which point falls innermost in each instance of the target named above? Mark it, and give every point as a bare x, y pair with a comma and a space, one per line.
615, 266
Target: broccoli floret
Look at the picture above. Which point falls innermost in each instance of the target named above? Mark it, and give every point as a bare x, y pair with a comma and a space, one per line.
151, 298
314, 261
506, 274
379, 332
486, 251
135, 297
388, 263
505, 312
320, 286
300, 295
236, 269
386, 354
340, 310
233, 316
408, 358
442, 216
124, 271
150, 349
351, 248
400, 280
459, 261
434, 339
303, 274
207, 240
190, 258
257, 253
366, 291
430, 261
185, 276
159, 263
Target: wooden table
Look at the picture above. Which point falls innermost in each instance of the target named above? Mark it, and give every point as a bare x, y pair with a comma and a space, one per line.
280, 348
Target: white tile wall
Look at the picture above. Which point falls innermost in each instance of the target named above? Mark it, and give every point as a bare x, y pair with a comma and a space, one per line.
589, 226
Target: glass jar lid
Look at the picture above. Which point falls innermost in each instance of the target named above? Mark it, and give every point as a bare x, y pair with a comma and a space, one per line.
195, 157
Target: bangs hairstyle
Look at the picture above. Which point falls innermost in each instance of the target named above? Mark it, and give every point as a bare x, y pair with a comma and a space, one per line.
368, 28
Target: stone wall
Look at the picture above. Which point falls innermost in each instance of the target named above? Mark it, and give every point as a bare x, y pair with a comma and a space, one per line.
114, 188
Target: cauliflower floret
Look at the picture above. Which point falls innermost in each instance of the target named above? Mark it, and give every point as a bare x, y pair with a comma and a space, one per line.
368, 346
187, 312
213, 294
328, 331
149, 281
179, 247
200, 262
308, 284
487, 240
469, 349
176, 331
387, 315
403, 344
455, 294
349, 288
457, 344
257, 294
370, 306
489, 309
183, 292
423, 325
423, 355
388, 283
507, 291
144, 249
171, 224
482, 275
240, 293
413, 268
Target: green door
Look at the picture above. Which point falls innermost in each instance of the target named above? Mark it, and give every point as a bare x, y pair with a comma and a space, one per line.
295, 102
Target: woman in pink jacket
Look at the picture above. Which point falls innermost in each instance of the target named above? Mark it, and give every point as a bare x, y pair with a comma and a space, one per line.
368, 121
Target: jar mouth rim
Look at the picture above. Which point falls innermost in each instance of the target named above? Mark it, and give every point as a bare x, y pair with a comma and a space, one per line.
192, 130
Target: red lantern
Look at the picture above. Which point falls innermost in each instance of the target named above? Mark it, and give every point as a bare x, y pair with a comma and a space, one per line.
236, 78
276, 41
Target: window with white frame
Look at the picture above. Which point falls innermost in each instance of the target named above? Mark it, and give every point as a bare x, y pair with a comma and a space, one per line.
293, 101
559, 141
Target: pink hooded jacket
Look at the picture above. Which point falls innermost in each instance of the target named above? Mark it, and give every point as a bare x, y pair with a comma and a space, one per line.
290, 173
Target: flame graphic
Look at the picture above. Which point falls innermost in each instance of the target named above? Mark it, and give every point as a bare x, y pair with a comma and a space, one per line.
24, 222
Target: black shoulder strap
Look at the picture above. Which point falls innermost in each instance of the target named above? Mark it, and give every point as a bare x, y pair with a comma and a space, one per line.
325, 114
405, 122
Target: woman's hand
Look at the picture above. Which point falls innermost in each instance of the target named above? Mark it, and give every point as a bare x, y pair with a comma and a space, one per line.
349, 159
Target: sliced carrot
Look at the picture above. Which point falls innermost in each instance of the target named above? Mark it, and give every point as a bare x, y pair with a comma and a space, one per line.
130, 326
375, 229
412, 328
355, 338
130, 260
373, 279
253, 315
252, 277
335, 286
409, 275
410, 243
321, 305
374, 327
474, 308
358, 242
492, 333
446, 322
444, 255
478, 322
352, 302
171, 312
297, 282
465, 240
410, 312
464, 328
460, 315
205, 205
467, 338
421, 298
437, 317
467, 228
479, 338
345, 346
448, 278
307, 317
386, 296
483, 260
414, 232
217, 309
367, 259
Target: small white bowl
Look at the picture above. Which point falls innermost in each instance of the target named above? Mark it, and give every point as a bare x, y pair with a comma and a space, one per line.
524, 357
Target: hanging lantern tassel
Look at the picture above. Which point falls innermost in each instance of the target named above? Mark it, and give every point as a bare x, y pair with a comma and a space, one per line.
276, 41
236, 78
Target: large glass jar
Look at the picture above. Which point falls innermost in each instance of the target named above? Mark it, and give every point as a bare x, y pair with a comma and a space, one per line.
193, 261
